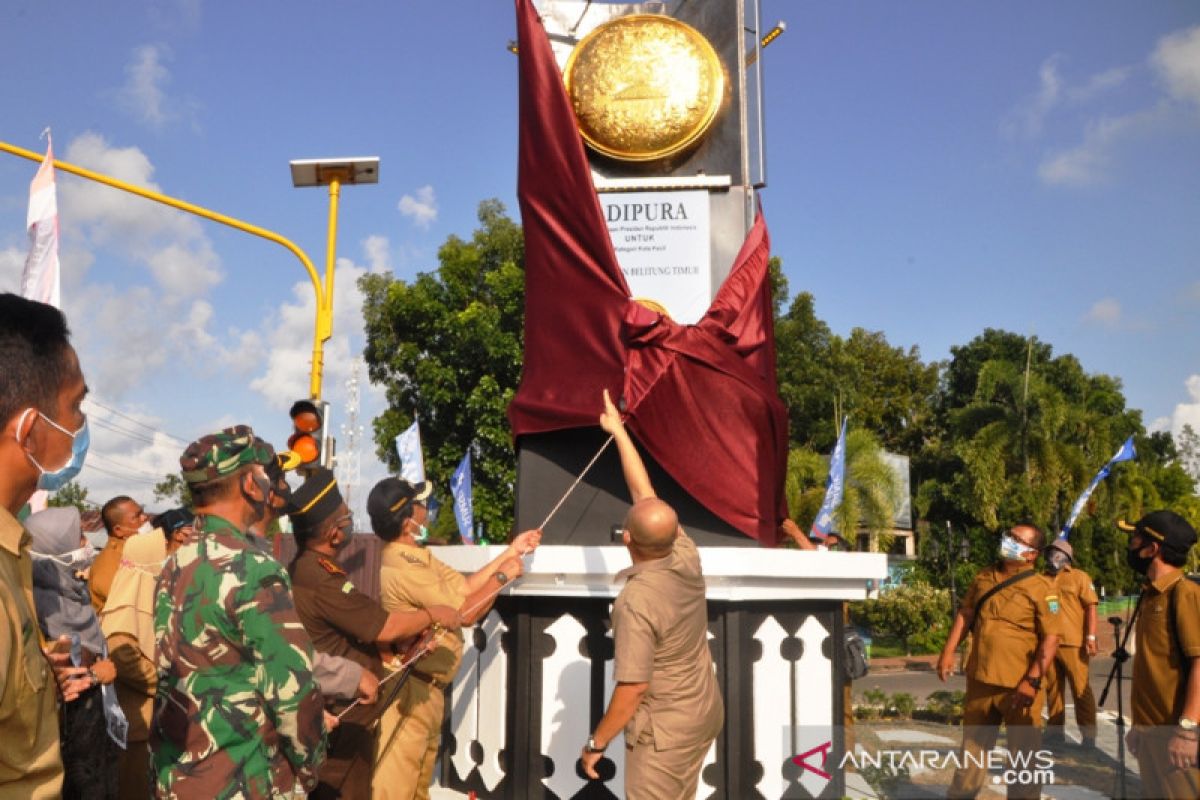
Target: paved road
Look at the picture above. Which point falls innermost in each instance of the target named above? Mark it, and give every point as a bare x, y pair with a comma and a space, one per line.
920, 684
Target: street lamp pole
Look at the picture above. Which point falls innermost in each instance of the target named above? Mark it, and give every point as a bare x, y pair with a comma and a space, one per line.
361, 170
330, 172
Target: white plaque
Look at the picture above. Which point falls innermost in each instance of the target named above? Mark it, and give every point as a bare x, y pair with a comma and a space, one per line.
662, 244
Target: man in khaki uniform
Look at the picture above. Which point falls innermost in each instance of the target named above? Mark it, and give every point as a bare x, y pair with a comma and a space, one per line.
1077, 602
42, 445
1015, 632
1165, 691
666, 698
412, 580
123, 517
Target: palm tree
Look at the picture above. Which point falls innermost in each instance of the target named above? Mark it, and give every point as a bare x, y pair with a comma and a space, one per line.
1013, 442
870, 497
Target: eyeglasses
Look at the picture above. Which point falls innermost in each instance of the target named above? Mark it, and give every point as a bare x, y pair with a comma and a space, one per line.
345, 523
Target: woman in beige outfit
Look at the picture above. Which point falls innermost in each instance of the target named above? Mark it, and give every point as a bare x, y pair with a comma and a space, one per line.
128, 623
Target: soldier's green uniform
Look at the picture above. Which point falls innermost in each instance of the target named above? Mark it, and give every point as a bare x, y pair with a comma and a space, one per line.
237, 713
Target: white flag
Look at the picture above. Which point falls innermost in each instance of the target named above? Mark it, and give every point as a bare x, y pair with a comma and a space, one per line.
39, 281
412, 463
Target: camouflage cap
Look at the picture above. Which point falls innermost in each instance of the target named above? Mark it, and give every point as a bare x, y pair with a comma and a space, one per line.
223, 453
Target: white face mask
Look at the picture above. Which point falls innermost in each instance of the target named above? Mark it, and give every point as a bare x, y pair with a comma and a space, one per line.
79, 558
145, 527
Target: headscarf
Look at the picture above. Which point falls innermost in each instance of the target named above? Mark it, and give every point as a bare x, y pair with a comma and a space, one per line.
63, 603
130, 605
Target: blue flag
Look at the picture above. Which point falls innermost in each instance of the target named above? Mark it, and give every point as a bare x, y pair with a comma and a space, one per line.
464, 510
1126, 453
823, 524
408, 447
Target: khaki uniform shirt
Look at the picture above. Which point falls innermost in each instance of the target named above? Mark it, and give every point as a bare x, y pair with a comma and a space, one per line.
412, 578
340, 619
660, 628
1008, 629
1158, 686
1075, 593
30, 764
104, 569
136, 684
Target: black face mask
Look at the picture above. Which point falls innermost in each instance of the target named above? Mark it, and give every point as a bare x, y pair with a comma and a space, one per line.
260, 508
1137, 562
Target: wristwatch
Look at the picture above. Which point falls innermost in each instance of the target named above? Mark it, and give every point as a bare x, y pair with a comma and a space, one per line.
591, 746
1188, 725
501, 577
1036, 683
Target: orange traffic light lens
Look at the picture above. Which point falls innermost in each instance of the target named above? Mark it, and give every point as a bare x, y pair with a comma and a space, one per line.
307, 421
305, 447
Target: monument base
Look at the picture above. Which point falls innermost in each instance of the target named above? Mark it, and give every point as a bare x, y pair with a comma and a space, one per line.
536, 674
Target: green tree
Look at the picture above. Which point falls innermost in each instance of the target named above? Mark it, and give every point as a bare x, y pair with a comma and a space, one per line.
447, 348
173, 490
72, 494
1189, 451
823, 377
909, 612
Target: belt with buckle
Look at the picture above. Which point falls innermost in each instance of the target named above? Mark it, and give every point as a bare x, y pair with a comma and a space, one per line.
425, 677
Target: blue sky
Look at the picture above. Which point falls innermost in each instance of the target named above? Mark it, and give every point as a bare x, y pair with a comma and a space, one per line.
934, 168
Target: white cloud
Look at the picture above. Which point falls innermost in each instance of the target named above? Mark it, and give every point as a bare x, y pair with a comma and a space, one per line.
12, 263
1177, 61
378, 251
1098, 84
144, 92
1028, 118
421, 207
289, 335
1089, 162
171, 244
1105, 312
128, 455
1188, 412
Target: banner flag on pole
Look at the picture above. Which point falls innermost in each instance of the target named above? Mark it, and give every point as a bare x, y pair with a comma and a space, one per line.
464, 506
39, 280
1127, 452
823, 524
408, 446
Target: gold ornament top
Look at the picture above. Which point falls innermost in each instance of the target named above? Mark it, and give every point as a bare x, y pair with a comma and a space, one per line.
644, 87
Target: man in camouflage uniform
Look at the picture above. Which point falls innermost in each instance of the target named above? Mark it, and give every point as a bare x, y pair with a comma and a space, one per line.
237, 713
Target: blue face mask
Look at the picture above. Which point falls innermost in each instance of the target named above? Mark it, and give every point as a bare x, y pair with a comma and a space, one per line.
1013, 550
53, 480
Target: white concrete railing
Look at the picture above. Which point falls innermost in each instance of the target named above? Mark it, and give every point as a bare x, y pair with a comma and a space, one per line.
731, 573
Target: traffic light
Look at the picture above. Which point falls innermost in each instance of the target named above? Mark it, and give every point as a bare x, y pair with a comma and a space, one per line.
308, 439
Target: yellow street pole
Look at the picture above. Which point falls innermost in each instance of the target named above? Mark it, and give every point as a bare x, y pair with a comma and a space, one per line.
323, 327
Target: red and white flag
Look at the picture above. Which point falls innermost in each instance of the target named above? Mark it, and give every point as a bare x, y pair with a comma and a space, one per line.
39, 281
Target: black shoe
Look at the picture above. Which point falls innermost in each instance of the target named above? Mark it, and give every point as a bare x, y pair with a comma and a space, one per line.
1058, 739
1088, 744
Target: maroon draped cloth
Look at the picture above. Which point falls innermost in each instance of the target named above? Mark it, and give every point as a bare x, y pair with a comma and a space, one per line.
701, 398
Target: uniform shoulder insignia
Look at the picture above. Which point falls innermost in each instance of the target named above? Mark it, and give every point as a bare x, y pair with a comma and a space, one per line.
414, 560
330, 567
